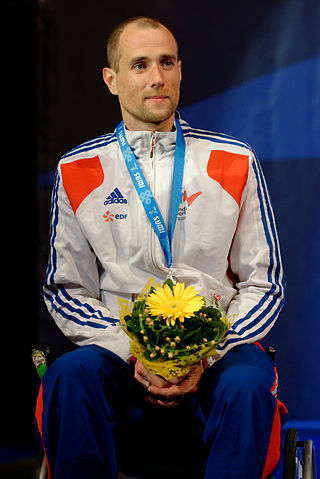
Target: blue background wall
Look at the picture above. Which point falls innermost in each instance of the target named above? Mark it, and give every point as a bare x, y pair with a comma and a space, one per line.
276, 108
279, 115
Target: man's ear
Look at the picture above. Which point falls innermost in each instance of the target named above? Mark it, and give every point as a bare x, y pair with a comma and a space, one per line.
109, 77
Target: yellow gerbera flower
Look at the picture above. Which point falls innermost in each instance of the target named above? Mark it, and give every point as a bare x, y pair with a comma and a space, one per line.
179, 304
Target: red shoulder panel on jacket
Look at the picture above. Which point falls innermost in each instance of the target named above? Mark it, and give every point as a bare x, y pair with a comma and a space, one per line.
230, 170
80, 177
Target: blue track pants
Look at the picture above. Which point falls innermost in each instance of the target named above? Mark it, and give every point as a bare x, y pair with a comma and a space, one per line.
86, 393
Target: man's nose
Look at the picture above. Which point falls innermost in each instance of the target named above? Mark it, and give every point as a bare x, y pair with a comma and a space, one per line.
156, 76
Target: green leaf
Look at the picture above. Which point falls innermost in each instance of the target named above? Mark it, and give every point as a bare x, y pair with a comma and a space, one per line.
169, 282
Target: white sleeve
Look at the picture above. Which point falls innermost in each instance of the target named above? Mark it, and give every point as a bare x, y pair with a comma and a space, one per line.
256, 263
72, 285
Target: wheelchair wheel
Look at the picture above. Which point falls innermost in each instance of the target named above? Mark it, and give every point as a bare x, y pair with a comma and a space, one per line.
295, 464
309, 461
292, 460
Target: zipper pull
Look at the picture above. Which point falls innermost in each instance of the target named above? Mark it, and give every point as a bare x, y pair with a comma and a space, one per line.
171, 276
152, 145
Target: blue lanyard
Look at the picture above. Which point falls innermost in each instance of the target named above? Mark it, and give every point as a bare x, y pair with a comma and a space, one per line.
145, 194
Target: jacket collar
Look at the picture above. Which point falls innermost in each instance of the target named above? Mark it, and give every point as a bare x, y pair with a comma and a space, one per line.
164, 141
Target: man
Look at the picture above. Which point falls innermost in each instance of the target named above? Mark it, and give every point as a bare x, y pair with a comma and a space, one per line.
105, 243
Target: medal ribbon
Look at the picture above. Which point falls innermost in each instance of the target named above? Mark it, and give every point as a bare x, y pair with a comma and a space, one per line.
145, 194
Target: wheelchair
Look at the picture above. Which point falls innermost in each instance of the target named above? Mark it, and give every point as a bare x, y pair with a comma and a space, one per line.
299, 458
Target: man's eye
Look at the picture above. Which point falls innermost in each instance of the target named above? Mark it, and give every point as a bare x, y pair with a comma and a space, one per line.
167, 63
139, 66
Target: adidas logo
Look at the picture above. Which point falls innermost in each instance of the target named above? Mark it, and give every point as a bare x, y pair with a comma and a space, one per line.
115, 197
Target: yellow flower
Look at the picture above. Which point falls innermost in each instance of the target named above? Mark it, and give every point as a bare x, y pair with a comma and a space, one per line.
179, 304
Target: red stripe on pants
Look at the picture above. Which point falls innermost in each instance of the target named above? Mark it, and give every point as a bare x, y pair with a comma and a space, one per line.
273, 454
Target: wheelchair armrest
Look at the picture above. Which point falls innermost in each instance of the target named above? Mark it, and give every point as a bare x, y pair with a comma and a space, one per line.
42, 358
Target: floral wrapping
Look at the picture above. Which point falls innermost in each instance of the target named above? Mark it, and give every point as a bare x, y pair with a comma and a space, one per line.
172, 327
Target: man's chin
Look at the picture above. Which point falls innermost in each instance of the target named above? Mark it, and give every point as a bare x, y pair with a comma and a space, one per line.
158, 115
147, 118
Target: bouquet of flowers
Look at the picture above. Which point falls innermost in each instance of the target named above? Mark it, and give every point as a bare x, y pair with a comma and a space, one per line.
173, 327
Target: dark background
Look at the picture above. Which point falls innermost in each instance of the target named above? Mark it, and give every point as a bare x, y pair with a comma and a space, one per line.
250, 69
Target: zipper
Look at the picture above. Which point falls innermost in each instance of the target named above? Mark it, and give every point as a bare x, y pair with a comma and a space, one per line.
153, 142
152, 236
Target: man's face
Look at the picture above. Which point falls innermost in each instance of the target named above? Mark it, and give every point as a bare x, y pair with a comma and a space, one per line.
148, 80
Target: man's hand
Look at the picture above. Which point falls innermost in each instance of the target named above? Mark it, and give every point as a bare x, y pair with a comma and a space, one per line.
144, 377
169, 393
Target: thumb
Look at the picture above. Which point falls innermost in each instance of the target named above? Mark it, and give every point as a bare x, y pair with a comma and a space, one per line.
177, 379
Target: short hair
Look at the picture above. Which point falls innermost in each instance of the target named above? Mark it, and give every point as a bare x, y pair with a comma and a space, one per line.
113, 44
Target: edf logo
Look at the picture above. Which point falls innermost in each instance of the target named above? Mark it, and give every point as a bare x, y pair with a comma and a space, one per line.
110, 217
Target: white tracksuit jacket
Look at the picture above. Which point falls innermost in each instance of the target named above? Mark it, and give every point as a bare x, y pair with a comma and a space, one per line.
102, 244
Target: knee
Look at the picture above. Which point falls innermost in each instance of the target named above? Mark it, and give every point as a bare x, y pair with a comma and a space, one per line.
239, 388
78, 366
249, 385
87, 371
246, 370
245, 381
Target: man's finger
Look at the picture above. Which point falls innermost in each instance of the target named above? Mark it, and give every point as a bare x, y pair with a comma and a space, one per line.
161, 403
177, 379
146, 378
189, 385
169, 392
